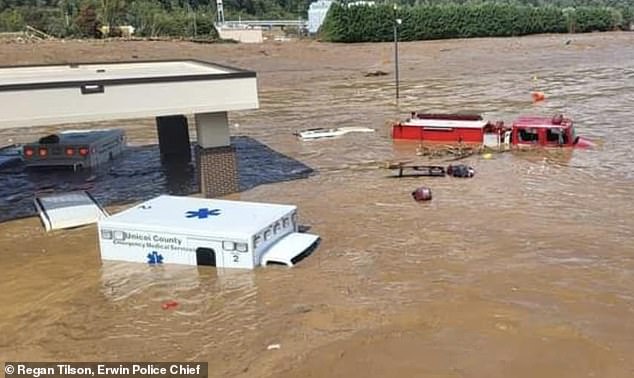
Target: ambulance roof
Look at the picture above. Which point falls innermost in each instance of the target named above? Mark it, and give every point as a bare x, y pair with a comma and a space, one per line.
189, 215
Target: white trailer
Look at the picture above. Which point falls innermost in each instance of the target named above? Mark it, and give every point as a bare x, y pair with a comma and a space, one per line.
68, 210
200, 231
75, 148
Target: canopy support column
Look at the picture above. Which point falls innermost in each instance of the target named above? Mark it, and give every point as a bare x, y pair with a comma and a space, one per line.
215, 156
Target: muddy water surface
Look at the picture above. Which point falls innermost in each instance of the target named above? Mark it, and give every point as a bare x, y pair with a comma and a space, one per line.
525, 270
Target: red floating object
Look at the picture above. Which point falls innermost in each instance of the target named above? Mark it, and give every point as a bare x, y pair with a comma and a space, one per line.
169, 304
538, 96
422, 194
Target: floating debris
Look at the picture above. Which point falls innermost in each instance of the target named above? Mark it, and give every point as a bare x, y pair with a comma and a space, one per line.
460, 170
422, 194
419, 170
375, 73
169, 305
538, 96
329, 133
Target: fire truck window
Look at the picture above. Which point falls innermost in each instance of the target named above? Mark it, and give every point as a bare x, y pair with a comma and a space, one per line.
556, 136
528, 136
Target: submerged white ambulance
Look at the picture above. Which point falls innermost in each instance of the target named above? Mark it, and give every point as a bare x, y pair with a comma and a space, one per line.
199, 231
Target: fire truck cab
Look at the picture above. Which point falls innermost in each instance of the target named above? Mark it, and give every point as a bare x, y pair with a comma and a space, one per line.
558, 131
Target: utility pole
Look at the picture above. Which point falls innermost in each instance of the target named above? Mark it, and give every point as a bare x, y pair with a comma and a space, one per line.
193, 15
221, 12
299, 21
397, 22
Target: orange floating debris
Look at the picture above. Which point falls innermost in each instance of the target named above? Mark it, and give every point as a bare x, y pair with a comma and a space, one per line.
169, 304
538, 96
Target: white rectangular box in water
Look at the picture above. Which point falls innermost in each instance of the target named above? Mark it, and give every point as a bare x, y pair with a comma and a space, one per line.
200, 231
75, 148
68, 210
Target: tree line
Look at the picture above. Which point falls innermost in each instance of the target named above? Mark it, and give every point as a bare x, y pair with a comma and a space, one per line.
438, 20
422, 19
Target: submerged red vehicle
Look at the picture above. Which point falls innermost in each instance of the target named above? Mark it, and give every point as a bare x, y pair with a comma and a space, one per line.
526, 131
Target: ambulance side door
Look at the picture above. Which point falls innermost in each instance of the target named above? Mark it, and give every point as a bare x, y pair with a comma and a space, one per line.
206, 252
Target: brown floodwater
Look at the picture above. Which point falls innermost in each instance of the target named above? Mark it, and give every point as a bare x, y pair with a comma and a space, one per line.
525, 270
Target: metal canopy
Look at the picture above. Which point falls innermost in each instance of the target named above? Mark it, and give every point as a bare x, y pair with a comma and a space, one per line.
38, 95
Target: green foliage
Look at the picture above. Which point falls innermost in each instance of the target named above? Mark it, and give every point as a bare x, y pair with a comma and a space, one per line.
11, 20
87, 23
145, 16
422, 19
112, 12
628, 16
474, 19
152, 20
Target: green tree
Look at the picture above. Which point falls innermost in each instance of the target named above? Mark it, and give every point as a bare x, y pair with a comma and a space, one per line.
112, 12
87, 21
11, 20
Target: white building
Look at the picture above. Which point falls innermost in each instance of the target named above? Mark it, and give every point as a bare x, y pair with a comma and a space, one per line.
316, 14
362, 4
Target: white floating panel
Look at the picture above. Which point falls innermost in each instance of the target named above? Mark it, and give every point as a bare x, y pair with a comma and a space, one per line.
330, 133
68, 210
